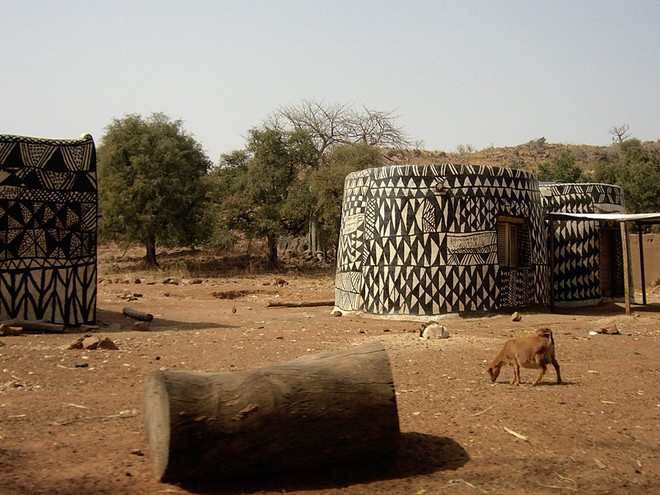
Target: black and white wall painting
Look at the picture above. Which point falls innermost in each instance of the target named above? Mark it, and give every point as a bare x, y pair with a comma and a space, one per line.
48, 229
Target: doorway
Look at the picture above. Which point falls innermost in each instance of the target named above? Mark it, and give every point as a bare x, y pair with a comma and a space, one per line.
611, 262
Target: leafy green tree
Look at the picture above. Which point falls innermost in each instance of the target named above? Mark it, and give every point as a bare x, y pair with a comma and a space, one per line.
260, 183
327, 183
637, 170
226, 211
150, 183
564, 168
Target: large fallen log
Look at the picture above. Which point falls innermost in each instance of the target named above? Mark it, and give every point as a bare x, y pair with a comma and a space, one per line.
34, 325
322, 409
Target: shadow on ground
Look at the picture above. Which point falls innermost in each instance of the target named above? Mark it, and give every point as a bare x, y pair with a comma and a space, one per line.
107, 320
418, 454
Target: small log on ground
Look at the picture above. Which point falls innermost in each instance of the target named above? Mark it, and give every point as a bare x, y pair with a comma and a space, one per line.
137, 315
7, 331
303, 304
317, 410
34, 325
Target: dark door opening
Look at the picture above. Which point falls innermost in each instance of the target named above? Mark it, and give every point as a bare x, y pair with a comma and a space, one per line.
611, 262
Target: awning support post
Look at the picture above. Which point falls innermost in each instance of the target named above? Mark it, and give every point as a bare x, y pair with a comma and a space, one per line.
551, 258
626, 264
641, 261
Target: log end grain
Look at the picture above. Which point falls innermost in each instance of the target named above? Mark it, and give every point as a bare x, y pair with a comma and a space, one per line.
156, 418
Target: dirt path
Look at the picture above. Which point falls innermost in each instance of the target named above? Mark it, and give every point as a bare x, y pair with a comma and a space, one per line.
70, 420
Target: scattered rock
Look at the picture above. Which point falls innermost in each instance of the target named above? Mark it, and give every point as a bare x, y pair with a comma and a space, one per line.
611, 329
516, 316
233, 309
337, 313
171, 281
107, 345
280, 282
433, 331
88, 328
76, 344
90, 343
130, 296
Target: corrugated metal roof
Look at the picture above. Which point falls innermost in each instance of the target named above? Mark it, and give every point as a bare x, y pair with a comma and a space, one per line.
612, 217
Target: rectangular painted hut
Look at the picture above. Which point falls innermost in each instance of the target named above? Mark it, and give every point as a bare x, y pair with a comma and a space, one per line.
48, 229
587, 255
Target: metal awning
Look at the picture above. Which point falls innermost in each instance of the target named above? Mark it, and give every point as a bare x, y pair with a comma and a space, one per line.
641, 218
623, 218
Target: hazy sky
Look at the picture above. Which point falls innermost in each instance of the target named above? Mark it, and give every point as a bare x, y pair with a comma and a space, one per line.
455, 72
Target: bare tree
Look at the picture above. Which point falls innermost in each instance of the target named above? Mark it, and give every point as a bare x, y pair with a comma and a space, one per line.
620, 133
465, 150
330, 125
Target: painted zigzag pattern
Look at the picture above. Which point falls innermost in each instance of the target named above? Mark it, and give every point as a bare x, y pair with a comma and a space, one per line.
48, 229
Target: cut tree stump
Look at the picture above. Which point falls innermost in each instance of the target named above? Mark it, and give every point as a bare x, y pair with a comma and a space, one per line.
317, 410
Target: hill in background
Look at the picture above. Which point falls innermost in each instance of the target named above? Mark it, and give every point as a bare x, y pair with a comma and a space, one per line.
526, 156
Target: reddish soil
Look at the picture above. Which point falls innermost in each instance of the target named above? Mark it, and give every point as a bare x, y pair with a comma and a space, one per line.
70, 420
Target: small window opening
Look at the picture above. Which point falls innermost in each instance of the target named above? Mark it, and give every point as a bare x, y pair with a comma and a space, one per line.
513, 246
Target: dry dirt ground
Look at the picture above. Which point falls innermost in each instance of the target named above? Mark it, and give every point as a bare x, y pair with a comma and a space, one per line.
70, 420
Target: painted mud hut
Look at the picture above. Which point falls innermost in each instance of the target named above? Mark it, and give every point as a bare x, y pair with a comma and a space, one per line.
48, 229
433, 239
587, 259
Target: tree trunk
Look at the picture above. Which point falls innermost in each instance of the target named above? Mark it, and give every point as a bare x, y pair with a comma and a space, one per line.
150, 244
272, 261
321, 409
313, 236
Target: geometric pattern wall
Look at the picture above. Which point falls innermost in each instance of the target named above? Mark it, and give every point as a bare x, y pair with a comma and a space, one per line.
48, 229
422, 240
577, 274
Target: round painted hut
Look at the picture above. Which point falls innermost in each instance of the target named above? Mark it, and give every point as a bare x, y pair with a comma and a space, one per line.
587, 255
433, 239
